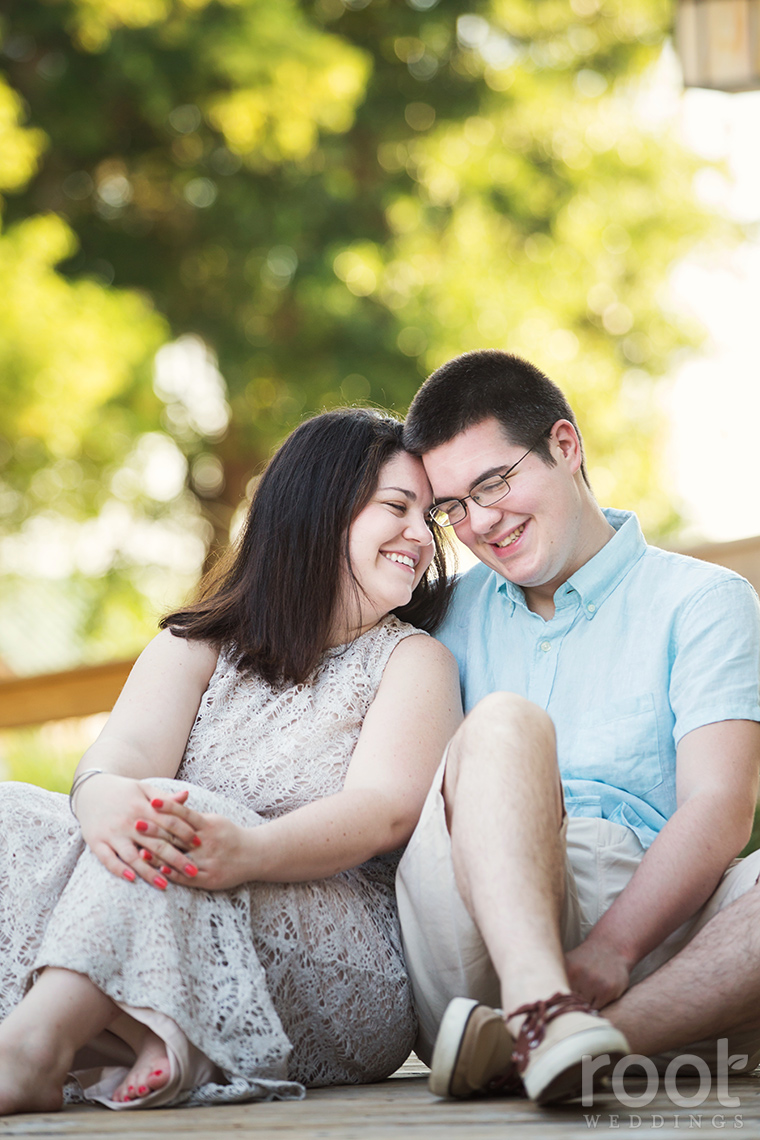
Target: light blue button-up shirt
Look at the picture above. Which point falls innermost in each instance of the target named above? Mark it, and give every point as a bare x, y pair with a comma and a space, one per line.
644, 646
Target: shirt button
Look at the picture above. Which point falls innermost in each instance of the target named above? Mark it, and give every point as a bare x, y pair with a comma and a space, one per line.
546, 646
591, 608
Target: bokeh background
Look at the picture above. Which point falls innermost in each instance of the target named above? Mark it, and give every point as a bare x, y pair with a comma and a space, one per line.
220, 216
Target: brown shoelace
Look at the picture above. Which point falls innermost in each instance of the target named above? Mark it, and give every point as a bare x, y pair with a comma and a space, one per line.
538, 1015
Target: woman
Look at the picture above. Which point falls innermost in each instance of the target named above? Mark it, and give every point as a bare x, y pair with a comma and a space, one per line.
231, 933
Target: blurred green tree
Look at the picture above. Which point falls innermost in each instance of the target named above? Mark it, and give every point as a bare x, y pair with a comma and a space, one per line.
333, 197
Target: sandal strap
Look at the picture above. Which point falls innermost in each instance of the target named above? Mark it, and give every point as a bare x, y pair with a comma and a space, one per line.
537, 1016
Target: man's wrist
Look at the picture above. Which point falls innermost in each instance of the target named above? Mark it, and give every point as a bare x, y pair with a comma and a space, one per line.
611, 943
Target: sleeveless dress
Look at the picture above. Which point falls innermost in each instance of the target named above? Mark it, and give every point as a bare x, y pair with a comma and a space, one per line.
277, 985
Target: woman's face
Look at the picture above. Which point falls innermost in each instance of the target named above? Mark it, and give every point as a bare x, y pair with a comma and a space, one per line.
390, 542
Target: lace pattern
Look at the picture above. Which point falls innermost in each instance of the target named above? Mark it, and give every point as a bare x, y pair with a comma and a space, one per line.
275, 983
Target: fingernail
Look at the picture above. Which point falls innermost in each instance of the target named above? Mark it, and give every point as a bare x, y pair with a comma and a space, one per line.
157, 804
161, 882
141, 825
196, 841
128, 873
145, 854
191, 870
166, 870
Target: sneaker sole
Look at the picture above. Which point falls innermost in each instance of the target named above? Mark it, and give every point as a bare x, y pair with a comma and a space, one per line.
448, 1045
559, 1076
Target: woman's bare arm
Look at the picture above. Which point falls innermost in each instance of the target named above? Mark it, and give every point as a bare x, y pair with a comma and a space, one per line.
415, 713
144, 736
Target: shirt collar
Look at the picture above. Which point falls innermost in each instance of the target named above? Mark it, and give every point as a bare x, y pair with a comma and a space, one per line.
598, 577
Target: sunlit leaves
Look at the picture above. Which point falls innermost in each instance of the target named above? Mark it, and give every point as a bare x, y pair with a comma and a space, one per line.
322, 201
68, 353
20, 146
286, 81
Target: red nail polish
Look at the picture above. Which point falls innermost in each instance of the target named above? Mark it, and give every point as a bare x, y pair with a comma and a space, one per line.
145, 854
142, 1090
130, 1088
196, 841
190, 870
161, 882
141, 825
158, 1072
157, 804
166, 870
128, 873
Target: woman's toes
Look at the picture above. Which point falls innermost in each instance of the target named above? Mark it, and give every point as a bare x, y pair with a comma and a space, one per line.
143, 1080
158, 1078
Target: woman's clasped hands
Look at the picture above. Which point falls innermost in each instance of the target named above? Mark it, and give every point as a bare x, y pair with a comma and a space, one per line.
219, 846
136, 830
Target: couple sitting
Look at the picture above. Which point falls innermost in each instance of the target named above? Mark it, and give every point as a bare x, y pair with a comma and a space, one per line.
219, 924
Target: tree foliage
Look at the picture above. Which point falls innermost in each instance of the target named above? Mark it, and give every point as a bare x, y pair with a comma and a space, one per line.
335, 197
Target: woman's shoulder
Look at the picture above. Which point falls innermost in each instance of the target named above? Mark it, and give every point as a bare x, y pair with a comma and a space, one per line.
171, 653
398, 641
415, 645
388, 633
421, 669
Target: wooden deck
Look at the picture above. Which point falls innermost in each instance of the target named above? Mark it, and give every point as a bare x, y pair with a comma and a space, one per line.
402, 1107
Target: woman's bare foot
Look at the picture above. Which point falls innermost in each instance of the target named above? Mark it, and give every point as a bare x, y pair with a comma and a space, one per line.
150, 1070
32, 1072
40, 1037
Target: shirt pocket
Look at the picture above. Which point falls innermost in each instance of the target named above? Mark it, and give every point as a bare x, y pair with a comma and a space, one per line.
619, 746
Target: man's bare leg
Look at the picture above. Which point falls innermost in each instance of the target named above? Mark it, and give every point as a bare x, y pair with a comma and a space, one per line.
708, 989
40, 1037
504, 810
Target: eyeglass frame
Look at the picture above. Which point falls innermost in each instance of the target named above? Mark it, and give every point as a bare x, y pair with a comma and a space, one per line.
505, 478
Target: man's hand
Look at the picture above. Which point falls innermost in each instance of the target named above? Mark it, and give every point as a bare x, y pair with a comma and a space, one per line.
597, 972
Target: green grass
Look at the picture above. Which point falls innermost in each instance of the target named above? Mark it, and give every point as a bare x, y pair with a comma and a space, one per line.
48, 755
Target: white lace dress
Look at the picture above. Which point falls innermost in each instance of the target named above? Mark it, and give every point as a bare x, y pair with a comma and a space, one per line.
279, 985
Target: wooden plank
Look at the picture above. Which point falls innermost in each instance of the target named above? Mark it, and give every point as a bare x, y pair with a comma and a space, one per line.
402, 1108
55, 696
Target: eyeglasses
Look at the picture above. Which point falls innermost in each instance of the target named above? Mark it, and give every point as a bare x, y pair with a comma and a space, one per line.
450, 512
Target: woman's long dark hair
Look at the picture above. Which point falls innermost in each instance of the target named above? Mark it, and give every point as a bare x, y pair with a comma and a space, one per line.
273, 597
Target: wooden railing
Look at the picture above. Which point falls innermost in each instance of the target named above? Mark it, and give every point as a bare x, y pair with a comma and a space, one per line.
26, 701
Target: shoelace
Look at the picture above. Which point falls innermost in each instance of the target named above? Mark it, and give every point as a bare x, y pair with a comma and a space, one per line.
538, 1015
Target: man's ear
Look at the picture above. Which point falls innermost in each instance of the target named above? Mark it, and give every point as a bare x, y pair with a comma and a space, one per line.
565, 438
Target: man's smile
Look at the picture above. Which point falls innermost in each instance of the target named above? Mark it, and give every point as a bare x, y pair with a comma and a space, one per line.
511, 537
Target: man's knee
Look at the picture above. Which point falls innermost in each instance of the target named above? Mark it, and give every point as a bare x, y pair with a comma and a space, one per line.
508, 715
503, 725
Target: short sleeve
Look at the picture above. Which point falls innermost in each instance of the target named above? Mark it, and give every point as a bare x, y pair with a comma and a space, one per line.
716, 668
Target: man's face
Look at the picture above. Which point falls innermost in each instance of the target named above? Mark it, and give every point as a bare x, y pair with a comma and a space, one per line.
534, 535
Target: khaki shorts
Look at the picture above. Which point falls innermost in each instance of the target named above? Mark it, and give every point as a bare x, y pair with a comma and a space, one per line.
445, 953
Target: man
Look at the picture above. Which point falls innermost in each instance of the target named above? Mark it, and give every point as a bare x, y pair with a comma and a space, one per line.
632, 674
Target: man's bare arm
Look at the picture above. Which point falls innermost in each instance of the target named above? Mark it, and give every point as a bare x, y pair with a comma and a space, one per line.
717, 779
